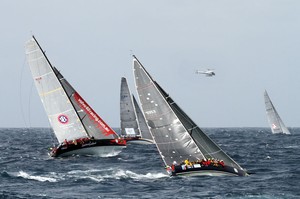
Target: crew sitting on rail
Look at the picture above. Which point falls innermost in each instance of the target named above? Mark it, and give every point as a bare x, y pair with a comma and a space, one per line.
207, 162
187, 162
75, 142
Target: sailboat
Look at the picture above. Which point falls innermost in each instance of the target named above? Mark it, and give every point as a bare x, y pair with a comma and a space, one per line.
274, 120
185, 149
133, 124
77, 127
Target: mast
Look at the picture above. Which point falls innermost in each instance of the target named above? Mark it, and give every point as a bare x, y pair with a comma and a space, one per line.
56, 72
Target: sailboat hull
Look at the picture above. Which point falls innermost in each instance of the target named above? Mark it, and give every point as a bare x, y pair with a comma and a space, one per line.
207, 171
138, 140
102, 148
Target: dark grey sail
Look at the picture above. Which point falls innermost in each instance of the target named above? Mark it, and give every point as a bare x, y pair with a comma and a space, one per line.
133, 123
129, 123
207, 146
177, 137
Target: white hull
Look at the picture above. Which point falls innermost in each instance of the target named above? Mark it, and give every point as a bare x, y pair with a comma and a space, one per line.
102, 151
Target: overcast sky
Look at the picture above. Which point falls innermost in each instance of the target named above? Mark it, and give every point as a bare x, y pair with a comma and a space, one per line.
252, 45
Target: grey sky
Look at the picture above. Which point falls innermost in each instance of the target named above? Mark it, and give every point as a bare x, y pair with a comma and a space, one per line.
252, 45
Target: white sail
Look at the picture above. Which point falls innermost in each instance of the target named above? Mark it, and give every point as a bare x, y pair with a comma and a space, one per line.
69, 114
274, 120
61, 114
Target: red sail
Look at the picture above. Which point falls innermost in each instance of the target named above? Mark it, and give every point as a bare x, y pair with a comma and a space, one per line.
105, 129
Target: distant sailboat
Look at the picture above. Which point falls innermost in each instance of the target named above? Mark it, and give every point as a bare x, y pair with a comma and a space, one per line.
183, 146
78, 128
133, 123
275, 122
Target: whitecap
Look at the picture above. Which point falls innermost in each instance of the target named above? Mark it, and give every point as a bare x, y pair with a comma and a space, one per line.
129, 174
292, 147
38, 178
100, 175
96, 178
89, 171
111, 154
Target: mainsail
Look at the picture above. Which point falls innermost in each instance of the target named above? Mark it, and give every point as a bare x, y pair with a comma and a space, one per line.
274, 120
69, 115
133, 122
177, 137
129, 123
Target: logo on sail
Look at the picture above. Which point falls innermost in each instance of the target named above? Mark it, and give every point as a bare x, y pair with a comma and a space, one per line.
124, 96
93, 116
63, 119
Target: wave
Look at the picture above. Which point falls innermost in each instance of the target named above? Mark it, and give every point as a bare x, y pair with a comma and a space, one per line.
111, 154
96, 175
37, 178
5, 174
130, 174
111, 173
90, 171
92, 174
292, 147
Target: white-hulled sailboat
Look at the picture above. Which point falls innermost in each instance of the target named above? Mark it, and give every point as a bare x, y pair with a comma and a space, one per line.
183, 146
133, 124
274, 120
77, 127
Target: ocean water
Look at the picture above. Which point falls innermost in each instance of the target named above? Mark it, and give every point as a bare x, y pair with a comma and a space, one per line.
26, 171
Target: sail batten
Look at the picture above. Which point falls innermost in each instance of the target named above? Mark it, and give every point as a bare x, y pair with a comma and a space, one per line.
49, 92
41, 76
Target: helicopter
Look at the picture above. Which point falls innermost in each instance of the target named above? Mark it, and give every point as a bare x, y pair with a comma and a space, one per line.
207, 72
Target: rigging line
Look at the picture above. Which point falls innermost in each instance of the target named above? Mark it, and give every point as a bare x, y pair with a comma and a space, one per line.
20, 93
29, 104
